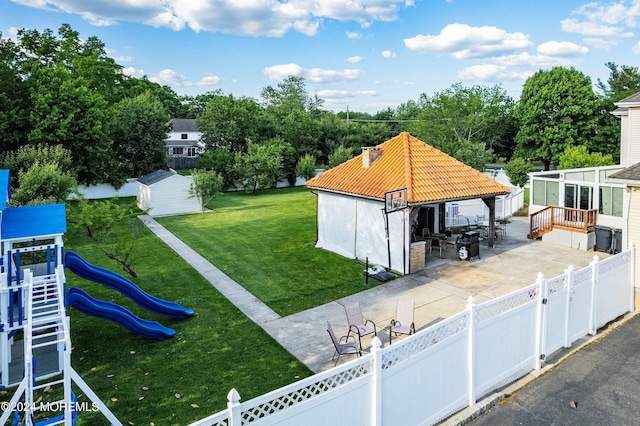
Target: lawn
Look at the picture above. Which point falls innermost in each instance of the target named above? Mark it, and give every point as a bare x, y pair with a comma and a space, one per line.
263, 241
178, 380
266, 242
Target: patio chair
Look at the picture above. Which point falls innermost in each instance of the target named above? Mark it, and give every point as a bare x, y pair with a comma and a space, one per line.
436, 243
357, 324
403, 322
345, 348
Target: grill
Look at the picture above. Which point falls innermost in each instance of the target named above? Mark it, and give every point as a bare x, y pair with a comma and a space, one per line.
470, 241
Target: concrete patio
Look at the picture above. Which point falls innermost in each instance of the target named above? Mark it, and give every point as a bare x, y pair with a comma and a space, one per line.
441, 290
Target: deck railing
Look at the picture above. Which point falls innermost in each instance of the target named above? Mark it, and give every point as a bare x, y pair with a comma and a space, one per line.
575, 220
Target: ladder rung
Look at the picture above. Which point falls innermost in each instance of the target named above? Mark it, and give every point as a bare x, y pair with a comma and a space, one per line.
46, 320
49, 343
44, 385
45, 335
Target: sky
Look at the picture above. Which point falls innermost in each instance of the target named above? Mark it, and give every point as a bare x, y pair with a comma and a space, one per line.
360, 55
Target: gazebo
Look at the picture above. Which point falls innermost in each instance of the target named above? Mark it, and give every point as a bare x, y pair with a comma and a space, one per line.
354, 220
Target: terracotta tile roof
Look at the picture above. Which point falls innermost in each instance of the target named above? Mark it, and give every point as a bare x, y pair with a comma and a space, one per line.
406, 162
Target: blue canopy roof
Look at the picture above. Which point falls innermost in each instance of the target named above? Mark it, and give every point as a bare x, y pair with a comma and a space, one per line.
33, 221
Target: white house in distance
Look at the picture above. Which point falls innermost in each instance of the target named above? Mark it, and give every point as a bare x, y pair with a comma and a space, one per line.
166, 193
183, 143
595, 198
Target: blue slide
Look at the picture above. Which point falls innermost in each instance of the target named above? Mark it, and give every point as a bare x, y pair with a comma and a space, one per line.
81, 300
84, 269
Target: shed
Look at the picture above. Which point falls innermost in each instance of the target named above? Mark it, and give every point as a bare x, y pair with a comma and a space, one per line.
165, 193
352, 219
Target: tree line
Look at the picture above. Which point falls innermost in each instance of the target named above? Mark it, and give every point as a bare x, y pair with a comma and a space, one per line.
69, 114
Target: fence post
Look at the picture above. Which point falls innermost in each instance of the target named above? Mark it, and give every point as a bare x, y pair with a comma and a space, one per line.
376, 391
471, 351
594, 291
632, 278
568, 306
235, 408
541, 326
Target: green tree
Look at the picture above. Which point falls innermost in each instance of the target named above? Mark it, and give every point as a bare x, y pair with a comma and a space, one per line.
223, 163
339, 156
306, 167
557, 109
576, 157
517, 171
228, 123
139, 133
206, 185
623, 81
261, 166
102, 221
21, 160
42, 183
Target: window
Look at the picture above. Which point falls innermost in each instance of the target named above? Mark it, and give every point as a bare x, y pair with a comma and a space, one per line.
191, 151
545, 193
610, 201
177, 150
184, 136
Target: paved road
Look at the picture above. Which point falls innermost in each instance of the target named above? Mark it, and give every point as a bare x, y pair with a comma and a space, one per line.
602, 380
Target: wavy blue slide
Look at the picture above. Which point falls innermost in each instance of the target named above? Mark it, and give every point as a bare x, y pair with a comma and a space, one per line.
81, 300
84, 269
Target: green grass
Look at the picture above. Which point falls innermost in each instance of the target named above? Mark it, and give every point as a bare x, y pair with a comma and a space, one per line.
216, 350
263, 241
266, 242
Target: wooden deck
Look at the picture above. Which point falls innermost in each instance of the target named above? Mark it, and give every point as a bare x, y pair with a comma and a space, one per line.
552, 217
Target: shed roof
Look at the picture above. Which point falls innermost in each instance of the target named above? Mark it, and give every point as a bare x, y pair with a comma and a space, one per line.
33, 221
5, 188
429, 175
155, 177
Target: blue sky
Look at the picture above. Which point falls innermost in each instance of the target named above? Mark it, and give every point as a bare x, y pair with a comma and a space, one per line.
366, 55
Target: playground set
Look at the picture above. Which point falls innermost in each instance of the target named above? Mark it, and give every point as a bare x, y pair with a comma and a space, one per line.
35, 344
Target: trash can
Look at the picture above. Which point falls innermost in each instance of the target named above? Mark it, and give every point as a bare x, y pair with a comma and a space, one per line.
468, 245
617, 241
603, 238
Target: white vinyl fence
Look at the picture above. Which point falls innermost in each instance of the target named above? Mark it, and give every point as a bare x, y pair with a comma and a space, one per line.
448, 366
465, 212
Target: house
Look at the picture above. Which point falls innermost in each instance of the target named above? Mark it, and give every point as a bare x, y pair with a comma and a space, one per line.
372, 206
596, 198
165, 192
183, 143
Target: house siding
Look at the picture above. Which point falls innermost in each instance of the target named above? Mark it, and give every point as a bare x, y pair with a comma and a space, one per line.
632, 153
168, 197
633, 236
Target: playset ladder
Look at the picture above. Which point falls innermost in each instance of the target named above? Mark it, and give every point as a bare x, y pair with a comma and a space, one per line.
48, 326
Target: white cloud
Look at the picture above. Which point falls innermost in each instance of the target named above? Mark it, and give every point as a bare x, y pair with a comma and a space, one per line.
562, 48
572, 25
354, 59
489, 72
133, 72
600, 43
253, 18
636, 48
526, 60
353, 35
171, 78
341, 94
388, 54
209, 80
463, 41
312, 75
367, 92
123, 59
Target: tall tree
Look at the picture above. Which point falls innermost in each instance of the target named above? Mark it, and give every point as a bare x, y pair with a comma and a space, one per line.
139, 132
229, 123
623, 81
557, 109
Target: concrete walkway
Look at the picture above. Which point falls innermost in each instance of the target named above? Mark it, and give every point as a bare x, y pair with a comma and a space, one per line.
441, 290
